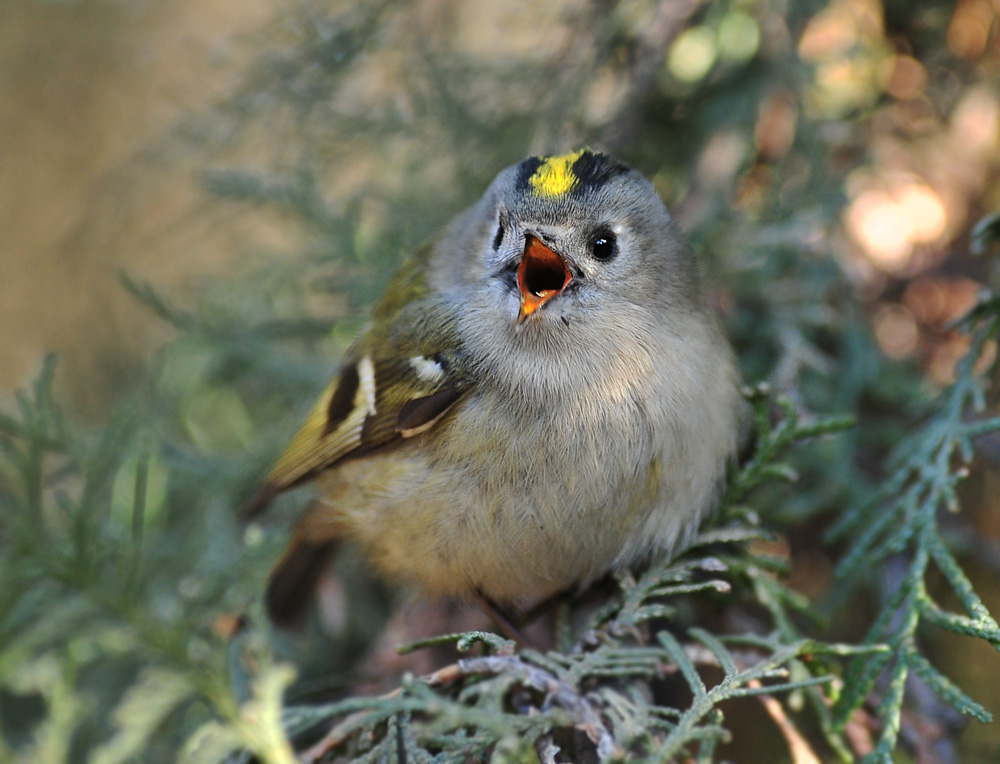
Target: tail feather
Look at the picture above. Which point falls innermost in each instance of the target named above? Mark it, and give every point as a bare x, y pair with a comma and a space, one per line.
293, 581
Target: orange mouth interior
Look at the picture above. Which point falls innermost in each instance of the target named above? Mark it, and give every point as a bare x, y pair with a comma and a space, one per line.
541, 275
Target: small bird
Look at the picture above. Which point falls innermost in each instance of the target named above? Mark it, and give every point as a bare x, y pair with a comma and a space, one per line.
543, 395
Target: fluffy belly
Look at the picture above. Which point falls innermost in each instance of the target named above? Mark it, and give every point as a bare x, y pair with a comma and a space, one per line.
468, 509
444, 530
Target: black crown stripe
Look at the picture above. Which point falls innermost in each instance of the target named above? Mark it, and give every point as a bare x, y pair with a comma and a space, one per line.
592, 170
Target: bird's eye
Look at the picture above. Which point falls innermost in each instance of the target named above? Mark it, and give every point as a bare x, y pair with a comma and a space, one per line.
603, 245
498, 239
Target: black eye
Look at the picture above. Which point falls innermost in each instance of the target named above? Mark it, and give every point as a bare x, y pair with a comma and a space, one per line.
603, 245
498, 239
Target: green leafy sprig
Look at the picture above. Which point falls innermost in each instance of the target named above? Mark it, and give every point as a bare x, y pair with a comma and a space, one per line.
903, 520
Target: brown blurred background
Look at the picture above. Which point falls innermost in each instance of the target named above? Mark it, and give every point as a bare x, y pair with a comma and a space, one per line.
89, 91
93, 175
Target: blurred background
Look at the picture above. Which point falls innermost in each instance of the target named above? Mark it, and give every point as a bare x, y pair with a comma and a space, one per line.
199, 200
113, 110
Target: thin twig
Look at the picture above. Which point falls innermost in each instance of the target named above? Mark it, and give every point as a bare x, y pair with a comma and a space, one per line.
802, 752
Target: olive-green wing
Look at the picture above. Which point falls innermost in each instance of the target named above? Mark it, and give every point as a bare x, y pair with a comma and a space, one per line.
401, 377
372, 404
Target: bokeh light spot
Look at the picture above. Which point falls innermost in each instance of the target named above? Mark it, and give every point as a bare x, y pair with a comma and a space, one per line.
774, 132
975, 122
881, 228
828, 34
888, 225
937, 301
693, 54
739, 36
903, 77
896, 330
969, 31
924, 211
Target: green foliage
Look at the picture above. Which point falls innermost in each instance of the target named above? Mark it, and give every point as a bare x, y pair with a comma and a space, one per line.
91, 593
902, 518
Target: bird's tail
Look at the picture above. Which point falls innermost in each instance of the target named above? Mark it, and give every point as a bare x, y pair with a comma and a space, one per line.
293, 582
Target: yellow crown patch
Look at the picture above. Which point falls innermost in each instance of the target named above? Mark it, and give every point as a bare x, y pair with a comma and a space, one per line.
555, 176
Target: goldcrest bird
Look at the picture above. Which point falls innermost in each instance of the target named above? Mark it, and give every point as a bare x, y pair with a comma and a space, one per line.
543, 395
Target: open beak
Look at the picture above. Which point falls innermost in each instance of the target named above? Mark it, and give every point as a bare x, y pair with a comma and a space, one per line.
541, 275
